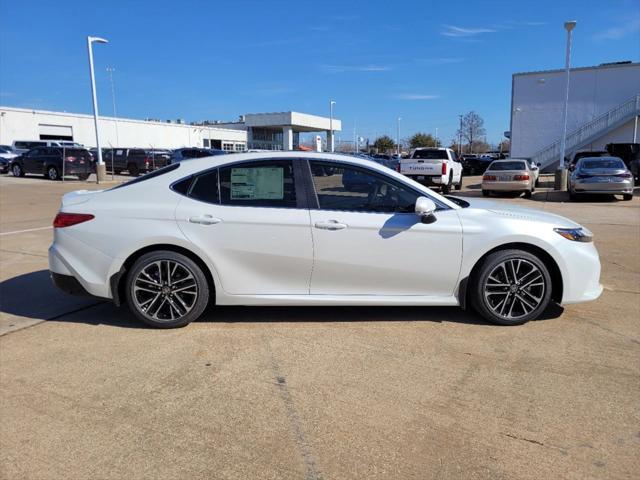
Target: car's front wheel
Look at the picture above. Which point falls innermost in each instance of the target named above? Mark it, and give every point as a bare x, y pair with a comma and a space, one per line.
166, 289
627, 196
511, 287
17, 171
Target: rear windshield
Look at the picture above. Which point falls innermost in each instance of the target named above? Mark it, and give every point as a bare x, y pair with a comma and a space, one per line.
431, 154
29, 144
500, 166
72, 152
605, 163
148, 176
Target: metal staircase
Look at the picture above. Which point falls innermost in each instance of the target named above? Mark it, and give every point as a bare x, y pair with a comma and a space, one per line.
549, 157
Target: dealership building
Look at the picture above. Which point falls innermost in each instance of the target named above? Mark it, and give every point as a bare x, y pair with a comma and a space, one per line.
268, 131
604, 105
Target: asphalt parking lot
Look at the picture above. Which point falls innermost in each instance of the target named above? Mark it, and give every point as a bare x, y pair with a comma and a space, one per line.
311, 393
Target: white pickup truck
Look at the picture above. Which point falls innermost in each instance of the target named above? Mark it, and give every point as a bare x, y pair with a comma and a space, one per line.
433, 167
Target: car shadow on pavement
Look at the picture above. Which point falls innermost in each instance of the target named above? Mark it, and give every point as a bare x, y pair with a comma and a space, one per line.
33, 296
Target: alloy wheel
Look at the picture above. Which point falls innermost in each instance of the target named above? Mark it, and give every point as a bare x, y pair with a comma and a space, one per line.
52, 173
165, 290
514, 288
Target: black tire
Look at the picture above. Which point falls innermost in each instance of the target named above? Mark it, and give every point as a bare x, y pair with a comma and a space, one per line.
627, 196
52, 173
485, 193
486, 299
458, 186
537, 183
17, 170
446, 189
188, 273
117, 172
83, 176
528, 193
133, 169
573, 196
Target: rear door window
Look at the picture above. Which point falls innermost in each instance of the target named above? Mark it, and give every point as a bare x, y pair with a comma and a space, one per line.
204, 187
258, 184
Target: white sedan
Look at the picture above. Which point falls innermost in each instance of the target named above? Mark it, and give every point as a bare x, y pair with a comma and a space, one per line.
281, 229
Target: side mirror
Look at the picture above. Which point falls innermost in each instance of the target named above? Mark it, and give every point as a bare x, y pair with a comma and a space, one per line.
539, 164
572, 168
425, 209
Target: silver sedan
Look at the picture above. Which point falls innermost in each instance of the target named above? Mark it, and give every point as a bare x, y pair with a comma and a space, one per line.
601, 175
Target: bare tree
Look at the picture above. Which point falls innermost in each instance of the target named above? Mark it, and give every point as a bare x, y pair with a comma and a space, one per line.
471, 129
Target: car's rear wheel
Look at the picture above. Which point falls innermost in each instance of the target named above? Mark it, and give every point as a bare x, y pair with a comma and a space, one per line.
52, 173
511, 287
485, 193
627, 196
447, 187
528, 193
166, 289
133, 169
83, 176
17, 171
458, 185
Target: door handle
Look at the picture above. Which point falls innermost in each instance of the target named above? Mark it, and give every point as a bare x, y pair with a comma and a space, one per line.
331, 225
205, 220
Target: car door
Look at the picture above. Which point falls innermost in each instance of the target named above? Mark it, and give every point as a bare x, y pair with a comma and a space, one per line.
369, 241
30, 160
252, 220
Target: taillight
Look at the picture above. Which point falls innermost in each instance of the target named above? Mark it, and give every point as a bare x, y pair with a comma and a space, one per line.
490, 178
68, 219
584, 175
624, 175
398, 168
444, 168
521, 177
70, 159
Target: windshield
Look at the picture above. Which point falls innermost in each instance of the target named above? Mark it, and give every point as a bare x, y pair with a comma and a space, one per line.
612, 163
501, 166
431, 154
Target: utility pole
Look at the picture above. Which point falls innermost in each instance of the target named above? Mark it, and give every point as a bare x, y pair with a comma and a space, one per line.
460, 137
398, 138
561, 172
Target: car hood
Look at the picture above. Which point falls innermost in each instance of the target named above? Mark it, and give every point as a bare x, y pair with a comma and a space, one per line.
520, 213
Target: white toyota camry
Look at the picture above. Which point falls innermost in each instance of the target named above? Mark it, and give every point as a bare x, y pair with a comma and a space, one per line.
312, 229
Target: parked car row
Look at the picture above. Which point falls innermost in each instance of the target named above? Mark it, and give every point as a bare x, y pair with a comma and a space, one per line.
53, 159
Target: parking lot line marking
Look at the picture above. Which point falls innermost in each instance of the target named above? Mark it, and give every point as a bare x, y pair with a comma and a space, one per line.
15, 232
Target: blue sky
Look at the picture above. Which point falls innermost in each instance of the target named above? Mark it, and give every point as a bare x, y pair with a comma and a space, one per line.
424, 61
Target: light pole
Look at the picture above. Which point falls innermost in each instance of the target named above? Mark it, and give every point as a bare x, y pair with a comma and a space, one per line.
113, 99
100, 167
437, 137
460, 137
398, 137
561, 172
331, 104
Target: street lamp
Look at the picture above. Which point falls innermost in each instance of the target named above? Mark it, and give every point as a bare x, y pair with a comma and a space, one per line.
331, 104
561, 173
460, 138
100, 167
398, 137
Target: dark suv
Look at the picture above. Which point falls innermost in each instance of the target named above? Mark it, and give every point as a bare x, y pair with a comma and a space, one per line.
180, 154
134, 160
48, 161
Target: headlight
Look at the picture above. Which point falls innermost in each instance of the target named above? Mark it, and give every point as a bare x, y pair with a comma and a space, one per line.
575, 234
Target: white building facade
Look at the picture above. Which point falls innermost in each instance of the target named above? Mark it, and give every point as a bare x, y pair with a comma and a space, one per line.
604, 104
269, 131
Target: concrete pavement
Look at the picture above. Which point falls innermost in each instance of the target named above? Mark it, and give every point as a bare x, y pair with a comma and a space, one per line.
310, 393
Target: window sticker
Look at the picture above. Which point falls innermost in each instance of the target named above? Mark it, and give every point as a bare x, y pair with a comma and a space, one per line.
260, 183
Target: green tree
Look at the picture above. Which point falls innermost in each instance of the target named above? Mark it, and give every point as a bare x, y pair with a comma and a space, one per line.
422, 140
384, 143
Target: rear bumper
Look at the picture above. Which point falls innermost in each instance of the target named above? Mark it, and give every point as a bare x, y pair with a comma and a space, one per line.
520, 186
602, 187
428, 180
68, 284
